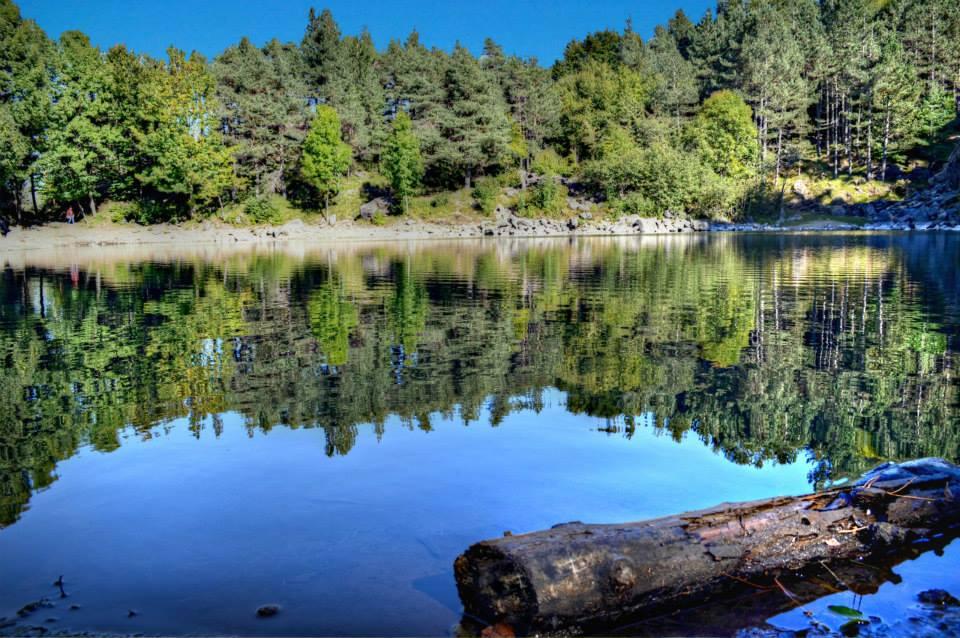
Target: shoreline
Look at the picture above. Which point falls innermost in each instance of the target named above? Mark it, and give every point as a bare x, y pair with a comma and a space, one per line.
61, 235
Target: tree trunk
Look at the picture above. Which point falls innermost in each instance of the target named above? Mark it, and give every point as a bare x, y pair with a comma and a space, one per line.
19, 203
870, 146
596, 576
886, 142
468, 179
93, 205
33, 194
776, 178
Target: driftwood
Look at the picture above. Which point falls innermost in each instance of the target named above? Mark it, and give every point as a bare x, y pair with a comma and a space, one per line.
601, 576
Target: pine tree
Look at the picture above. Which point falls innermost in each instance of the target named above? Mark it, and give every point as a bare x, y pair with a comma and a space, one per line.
402, 163
321, 52
472, 122
895, 93
357, 94
326, 157
263, 109
676, 89
772, 80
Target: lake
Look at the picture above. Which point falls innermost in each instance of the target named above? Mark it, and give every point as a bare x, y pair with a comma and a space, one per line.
188, 436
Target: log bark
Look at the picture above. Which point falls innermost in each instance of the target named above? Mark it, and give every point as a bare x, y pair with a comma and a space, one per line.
601, 576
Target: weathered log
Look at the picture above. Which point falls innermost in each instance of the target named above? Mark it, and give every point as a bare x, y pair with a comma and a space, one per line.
595, 576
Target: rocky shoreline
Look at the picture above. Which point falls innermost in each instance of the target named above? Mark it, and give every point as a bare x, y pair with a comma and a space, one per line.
936, 208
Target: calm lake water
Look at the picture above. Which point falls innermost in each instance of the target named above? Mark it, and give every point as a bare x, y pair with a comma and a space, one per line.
193, 436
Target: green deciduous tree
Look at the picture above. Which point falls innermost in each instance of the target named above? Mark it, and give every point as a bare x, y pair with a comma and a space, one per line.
326, 157
725, 135
187, 169
401, 160
76, 161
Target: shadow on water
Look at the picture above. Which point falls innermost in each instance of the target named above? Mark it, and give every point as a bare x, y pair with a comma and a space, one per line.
839, 351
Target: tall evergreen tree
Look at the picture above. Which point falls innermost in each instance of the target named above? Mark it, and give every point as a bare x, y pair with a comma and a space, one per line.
321, 52
264, 111
472, 122
676, 88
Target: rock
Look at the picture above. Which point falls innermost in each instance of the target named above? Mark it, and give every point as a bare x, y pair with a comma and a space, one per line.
950, 175
938, 597
374, 206
31, 607
802, 189
573, 223
267, 611
838, 211
586, 216
499, 630
295, 225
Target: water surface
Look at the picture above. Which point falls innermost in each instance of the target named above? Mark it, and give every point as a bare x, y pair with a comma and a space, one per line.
193, 436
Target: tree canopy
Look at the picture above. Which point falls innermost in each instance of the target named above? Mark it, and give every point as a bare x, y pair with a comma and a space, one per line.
847, 88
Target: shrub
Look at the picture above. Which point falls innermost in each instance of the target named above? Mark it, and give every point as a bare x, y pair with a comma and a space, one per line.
485, 194
261, 210
378, 219
546, 197
120, 212
549, 196
549, 162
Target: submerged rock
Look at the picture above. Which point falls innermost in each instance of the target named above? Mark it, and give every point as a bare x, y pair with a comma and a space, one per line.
266, 611
938, 597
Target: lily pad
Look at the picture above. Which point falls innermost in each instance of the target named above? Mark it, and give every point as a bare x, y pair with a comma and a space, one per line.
846, 612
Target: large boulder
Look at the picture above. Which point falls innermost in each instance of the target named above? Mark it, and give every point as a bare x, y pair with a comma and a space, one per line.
374, 206
950, 175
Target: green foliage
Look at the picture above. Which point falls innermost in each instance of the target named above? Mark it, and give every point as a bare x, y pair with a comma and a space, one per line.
652, 180
936, 111
756, 90
724, 134
485, 193
596, 99
261, 210
186, 165
549, 162
326, 157
441, 200
120, 212
260, 95
401, 160
546, 197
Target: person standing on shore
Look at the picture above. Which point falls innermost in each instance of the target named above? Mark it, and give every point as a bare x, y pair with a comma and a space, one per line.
70, 215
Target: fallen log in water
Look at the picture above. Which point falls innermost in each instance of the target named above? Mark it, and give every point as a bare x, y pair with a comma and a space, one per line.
594, 576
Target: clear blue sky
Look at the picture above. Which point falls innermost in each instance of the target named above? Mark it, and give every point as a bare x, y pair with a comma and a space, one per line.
538, 28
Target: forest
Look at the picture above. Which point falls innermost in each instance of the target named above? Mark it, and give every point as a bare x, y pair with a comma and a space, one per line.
706, 118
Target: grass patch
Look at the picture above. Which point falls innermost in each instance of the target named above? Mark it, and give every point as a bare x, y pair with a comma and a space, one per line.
445, 206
